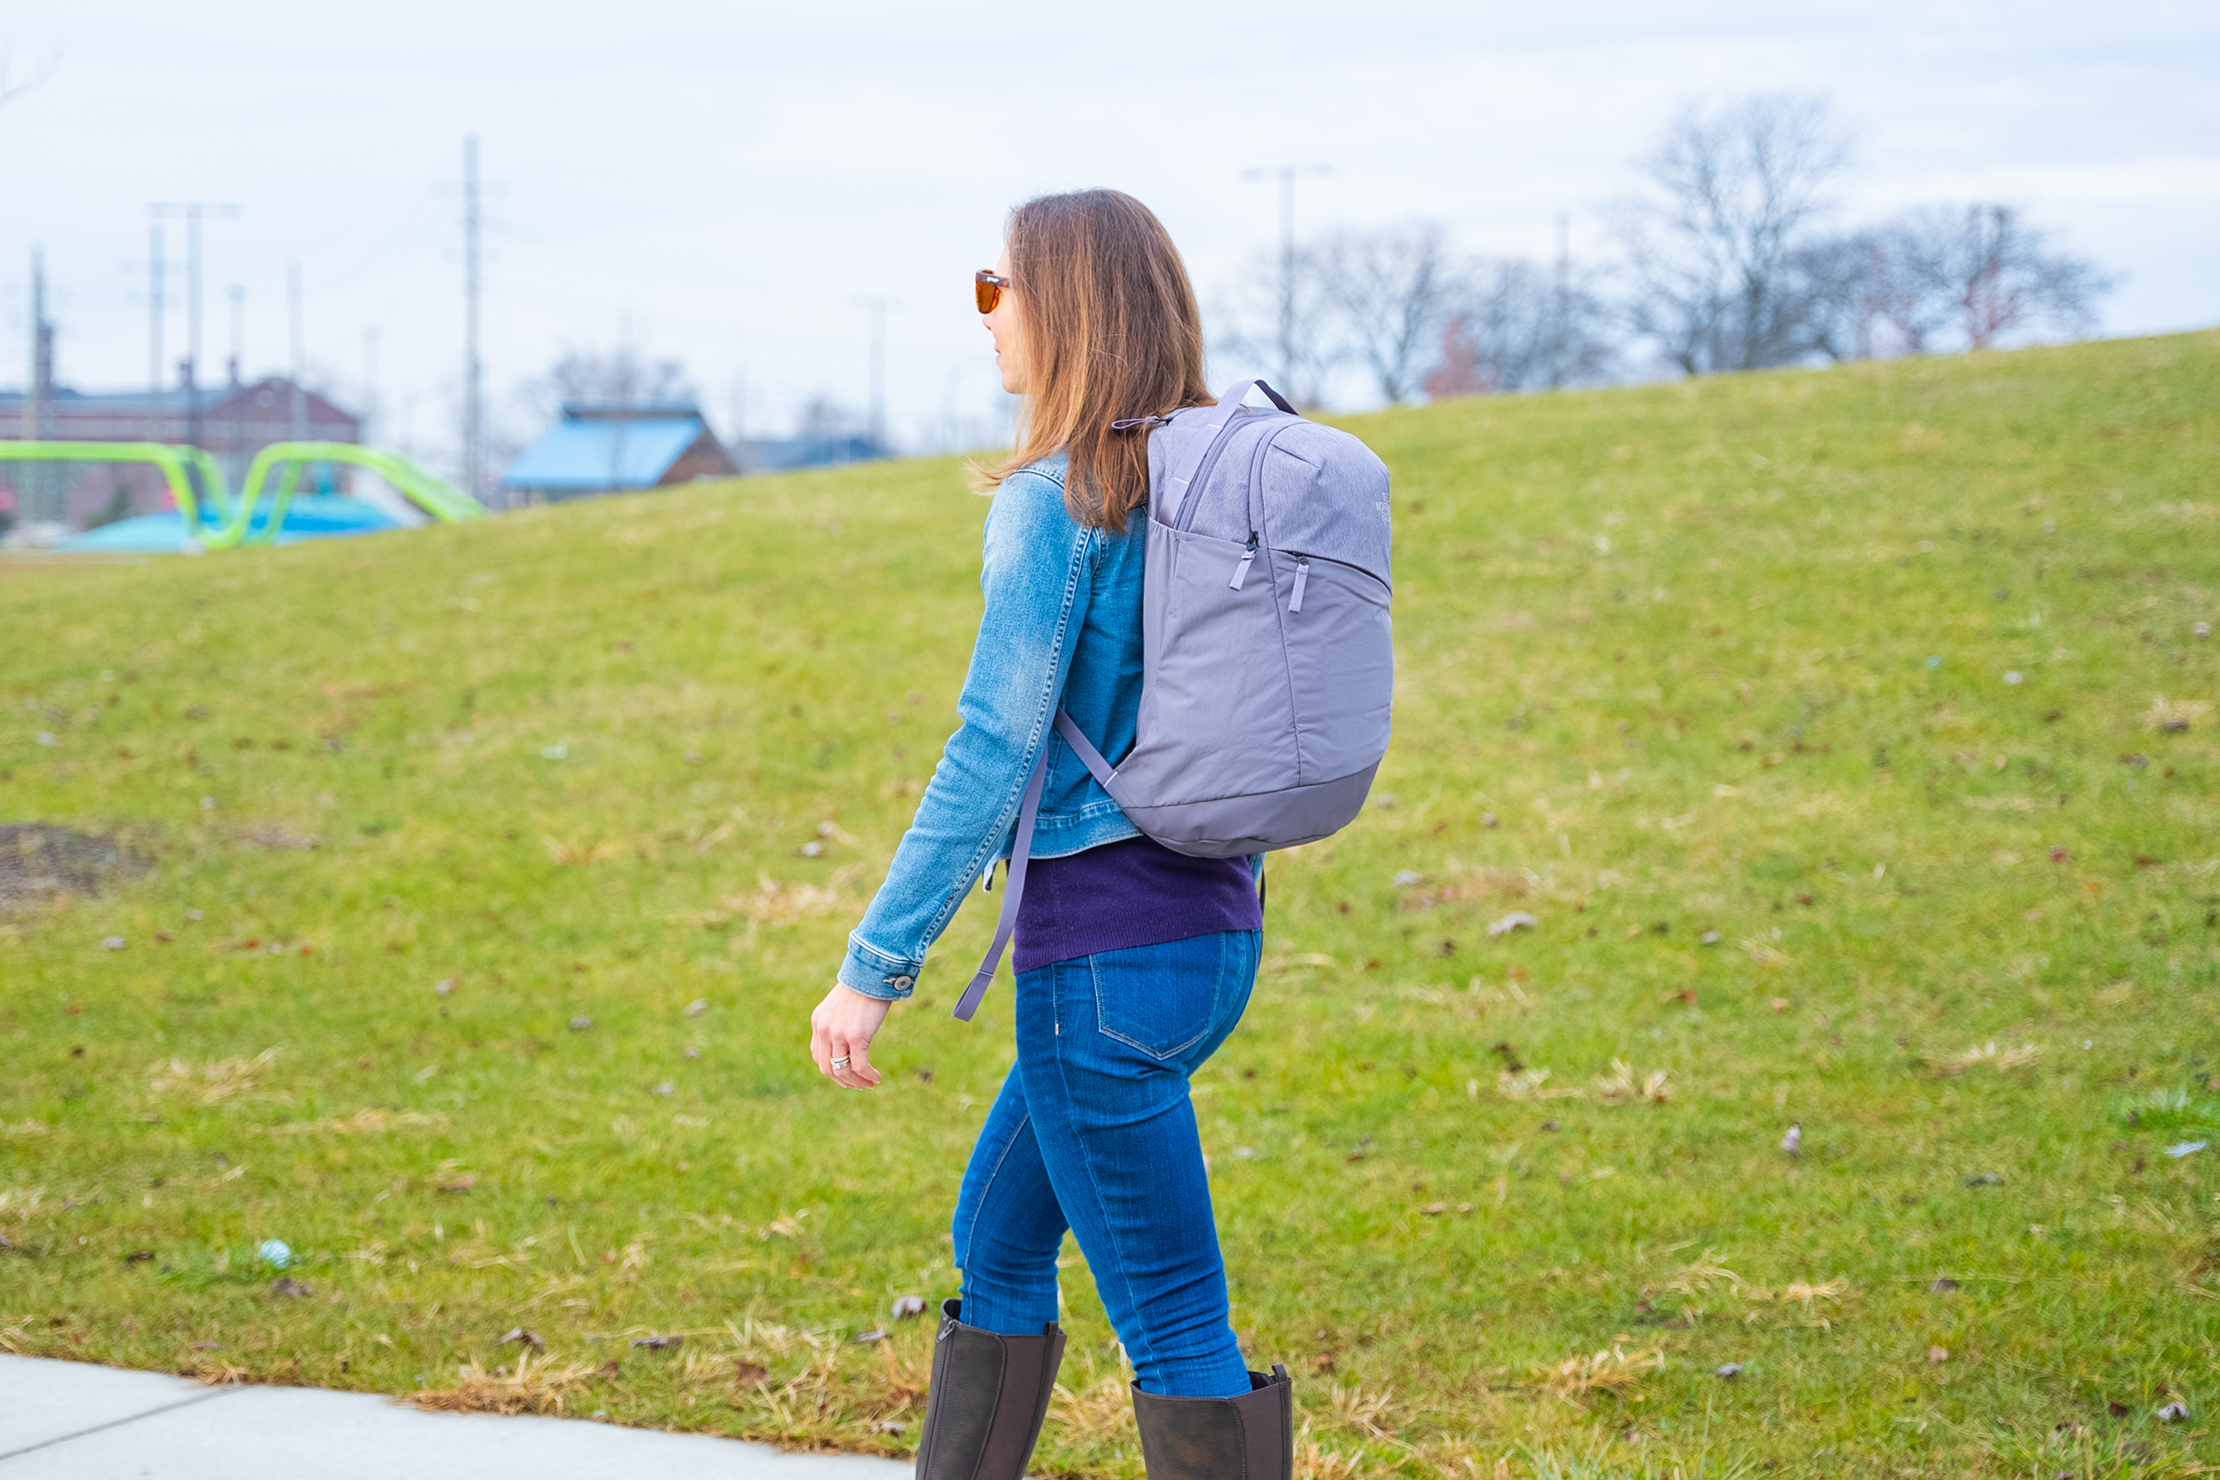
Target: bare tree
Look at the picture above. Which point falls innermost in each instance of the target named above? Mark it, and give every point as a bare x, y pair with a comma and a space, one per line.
1712, 249
1515, 326
618, 378
1390, 291
14, 84
1904, 286
1991, 273
1282, 292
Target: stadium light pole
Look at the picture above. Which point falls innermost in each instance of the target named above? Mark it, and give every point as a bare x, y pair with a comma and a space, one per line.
1287, 175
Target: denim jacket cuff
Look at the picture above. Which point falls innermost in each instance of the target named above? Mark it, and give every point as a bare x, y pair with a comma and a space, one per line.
876, 974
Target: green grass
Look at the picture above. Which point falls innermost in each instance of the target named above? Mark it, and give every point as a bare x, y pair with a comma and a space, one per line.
1710, 678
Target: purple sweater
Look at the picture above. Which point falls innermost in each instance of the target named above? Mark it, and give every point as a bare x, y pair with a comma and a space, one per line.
1131, 893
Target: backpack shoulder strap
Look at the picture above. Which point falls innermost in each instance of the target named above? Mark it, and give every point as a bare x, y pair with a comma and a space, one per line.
1218, 424
1021, 847
1013, 889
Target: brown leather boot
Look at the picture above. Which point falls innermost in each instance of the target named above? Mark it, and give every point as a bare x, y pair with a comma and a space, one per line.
988, 1396
1251, 1437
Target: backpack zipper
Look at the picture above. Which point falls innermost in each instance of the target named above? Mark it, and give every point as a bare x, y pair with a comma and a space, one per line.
1241, 571
1302, 579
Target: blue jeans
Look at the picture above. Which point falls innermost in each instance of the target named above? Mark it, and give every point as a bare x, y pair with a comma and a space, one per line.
1093, 1131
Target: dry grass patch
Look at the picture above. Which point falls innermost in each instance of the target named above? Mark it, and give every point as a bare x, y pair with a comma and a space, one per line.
208, 1084
1603, 1371
539, 1386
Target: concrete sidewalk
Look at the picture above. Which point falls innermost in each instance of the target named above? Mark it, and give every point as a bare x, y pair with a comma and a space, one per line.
76, 1421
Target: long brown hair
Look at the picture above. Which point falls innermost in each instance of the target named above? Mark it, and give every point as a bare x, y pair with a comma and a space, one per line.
1111, 332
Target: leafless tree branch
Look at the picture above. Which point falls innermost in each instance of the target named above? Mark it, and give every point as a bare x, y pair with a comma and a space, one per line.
13, 85
1390, 291
1711, 250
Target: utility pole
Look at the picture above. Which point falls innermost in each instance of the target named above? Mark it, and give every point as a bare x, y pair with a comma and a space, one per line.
369, 381
155, 306
193, 212
238, 353
1287, 174
36, 482
878, 307
1562, 308
473, 474
300, 353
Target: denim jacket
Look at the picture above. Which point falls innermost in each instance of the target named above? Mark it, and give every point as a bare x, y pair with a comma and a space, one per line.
1062, 626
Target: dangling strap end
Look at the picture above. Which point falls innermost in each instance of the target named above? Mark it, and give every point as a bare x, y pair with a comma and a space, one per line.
968, 1004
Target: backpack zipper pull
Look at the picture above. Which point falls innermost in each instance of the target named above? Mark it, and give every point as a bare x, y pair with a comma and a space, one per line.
1302, 579
1241, 571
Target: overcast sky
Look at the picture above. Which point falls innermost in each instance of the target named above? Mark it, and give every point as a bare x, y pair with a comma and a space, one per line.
725, 183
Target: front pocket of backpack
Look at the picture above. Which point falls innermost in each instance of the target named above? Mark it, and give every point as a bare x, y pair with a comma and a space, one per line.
1160, 999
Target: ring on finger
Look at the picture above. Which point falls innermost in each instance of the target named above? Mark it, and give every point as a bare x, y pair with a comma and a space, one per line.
841, 1062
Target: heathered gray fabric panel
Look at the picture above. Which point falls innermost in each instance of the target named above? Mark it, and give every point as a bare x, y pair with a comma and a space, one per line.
1340, 663
1222, 506
1233, 827
1326, 494
1217, 717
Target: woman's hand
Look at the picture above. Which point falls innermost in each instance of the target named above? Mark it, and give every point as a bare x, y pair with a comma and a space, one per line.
840, 1034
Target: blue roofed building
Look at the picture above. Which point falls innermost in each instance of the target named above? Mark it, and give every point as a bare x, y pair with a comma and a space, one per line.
595, 450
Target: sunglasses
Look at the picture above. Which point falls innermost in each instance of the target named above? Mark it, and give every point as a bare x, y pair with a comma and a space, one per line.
988, 288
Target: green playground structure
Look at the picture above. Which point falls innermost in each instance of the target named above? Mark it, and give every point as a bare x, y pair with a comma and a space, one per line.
178, 464
216, 520
434, 495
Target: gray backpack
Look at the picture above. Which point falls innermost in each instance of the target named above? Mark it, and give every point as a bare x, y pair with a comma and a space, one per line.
1268, 668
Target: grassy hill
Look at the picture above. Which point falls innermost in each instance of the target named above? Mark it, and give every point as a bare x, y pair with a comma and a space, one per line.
1847, 734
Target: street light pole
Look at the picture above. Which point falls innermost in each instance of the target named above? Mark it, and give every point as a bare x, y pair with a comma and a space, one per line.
1287, 175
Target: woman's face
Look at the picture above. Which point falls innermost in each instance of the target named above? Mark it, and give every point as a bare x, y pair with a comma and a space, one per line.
1009, 338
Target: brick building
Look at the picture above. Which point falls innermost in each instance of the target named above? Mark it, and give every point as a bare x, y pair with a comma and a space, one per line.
233, 422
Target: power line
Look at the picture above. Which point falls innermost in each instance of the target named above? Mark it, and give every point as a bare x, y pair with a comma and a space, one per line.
193, 211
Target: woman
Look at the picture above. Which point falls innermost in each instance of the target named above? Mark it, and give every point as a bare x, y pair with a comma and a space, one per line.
1133, 962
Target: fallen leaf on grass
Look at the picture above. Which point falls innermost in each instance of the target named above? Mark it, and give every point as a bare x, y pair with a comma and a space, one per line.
1943, 1285
1938, 1354
657, 1343
530, 1389
1516, 920
523, 1337
288, 1289
461, 1184
908, 1307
